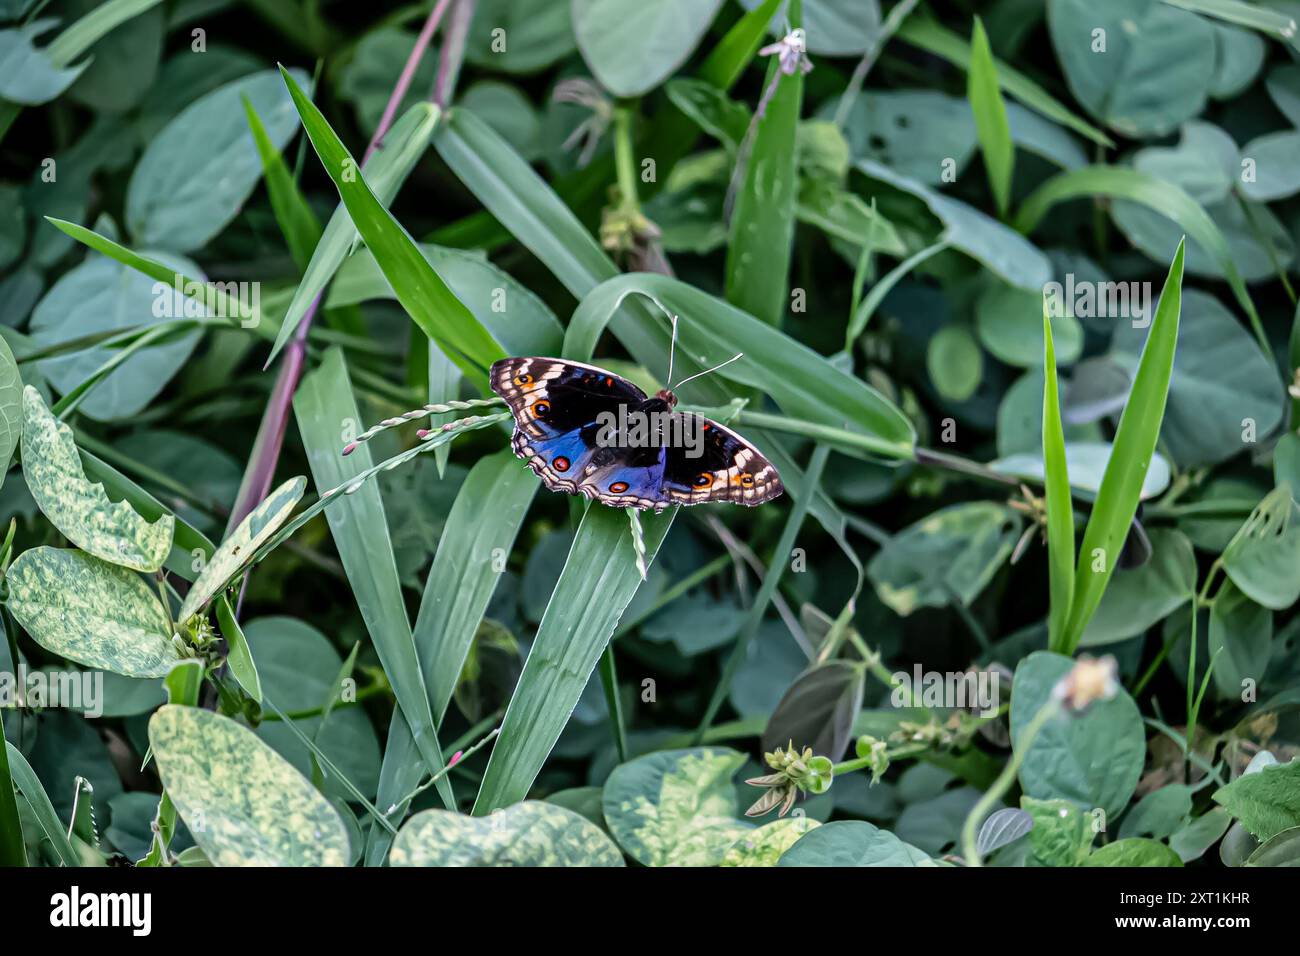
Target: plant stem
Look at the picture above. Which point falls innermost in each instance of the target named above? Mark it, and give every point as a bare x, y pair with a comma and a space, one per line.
970, 830
624, 162
447, 769
453, 53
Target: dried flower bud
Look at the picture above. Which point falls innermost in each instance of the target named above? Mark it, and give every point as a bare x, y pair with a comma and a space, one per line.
1091, 679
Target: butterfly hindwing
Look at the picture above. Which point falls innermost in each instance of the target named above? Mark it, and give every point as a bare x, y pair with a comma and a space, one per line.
727, 468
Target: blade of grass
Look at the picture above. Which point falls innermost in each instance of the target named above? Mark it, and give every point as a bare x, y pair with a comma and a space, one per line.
13, 852
775, 569
598, 581
360, 529
762, 227
420, 290
25, 779
1060, 508
240, 656
386, 171
1135, 442
1118, 182
298, 224
990, 118
930, 36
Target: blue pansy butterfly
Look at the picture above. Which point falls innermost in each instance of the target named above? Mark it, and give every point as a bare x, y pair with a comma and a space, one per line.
586, 431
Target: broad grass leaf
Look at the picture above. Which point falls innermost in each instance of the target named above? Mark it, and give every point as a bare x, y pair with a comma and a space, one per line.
952, 554
676, 807
1094, 758
632, 47
1126, 471
11, 407
91, 612
516, 317
817, 710
102, 296
1263, 557
1119, 84
405, 143
360, 530
1221, 379
28, 76
244, 804
1141, 597
1133, 851
1059, 504
299, 670
197, 172
764, 846
28, 785
531, 833
1267, 801
598, 582
990, 118
80, 509
1002, 250
852, 843
237, 550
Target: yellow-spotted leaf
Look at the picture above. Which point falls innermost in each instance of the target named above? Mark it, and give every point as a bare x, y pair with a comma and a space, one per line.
79, 508
676, 807
244, 804
91, 612
238, 549
764, 846
531, 833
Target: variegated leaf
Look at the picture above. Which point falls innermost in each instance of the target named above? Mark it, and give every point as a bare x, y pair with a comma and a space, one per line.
11, 407
237, 550
79, 508
244, 804
525, 834
91, 612
676, 807
764, 846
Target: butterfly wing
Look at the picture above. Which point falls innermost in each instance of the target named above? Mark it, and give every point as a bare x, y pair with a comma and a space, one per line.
726, 467
557, 407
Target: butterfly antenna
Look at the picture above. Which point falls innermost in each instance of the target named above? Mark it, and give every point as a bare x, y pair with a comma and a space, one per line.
708, 370
672, 349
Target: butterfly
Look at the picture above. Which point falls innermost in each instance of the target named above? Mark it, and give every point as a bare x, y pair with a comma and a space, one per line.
586, 431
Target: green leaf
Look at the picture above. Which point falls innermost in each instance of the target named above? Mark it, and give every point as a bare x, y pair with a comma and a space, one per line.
1109, 49
1159, 814
360, 530
1263, 557
632, 47
1061, 834
1094, 758
818, 709
1141, 597
1059, 502
599, 579
852, 843
952, 554
368, 78
531, 833
1007, 323
955, 363
1087, 463
404, 144
243, 802
1282, 849
81, 510
237, 550
123, 65
803, 383
1134, 851
990, 118
676, 807
1240, 635
239, 658
930, 36
11, 407
762, 223
196, 174
1135, 442
28, 76
519, 36
298, 224
29, 786
765, 846
91, 612
433, 307
1267, 801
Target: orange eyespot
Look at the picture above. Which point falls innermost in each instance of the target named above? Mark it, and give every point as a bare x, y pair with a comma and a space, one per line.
747, 480
541, 408
618, 487
703, 480
524, 379
561, 463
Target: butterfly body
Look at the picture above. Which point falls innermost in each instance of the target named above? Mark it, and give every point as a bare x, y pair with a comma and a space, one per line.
586, 431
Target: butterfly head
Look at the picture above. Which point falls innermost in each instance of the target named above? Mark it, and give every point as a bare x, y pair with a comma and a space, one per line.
667, 397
